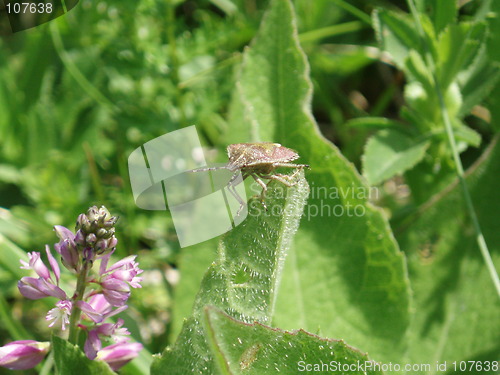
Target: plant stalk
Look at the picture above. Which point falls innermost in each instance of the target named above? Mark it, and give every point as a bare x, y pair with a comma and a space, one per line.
81, 284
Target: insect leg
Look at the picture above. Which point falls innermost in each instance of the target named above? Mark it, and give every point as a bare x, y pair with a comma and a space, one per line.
231, 187
258, 179
206, 169
281, 178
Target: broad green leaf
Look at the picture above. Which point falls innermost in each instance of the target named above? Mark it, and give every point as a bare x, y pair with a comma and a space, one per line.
456, 305
389, 153
345, 274
69, 359
258, 349
244, 280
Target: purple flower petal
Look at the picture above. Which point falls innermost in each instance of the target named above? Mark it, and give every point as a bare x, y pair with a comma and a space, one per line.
50, 289
92, 345
28, 286
118, 355
23, 355
86, 308
63, 233
53, 263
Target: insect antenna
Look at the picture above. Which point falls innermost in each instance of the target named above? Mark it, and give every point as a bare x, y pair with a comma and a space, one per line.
206, 169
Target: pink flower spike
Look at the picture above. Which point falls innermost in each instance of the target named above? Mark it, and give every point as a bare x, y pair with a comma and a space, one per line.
23, 355
61, 313
118, 355
88, 310
53, 264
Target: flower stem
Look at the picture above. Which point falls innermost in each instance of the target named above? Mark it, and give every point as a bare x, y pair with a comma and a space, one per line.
81, 284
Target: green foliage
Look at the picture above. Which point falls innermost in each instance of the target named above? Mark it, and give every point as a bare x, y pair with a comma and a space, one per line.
390, 152
446, 56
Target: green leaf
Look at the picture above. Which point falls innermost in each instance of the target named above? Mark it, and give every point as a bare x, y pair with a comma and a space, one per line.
390, 152
69, 359
457, 47
345, 274
375, 123
257, 349
445, 12
456, 305
478, 81
468, 135
419, 71
396, 34
245, 278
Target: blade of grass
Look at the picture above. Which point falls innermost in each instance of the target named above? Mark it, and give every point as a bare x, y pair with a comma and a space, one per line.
325, 32
353, 10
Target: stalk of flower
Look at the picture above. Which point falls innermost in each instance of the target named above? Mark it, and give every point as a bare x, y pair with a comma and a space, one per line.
89, 307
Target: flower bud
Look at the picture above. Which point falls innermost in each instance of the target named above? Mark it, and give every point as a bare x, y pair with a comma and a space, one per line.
80, 238
23, 355
102, 233
91, 239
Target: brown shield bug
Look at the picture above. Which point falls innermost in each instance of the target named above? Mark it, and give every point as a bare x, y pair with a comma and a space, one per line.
259, 160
